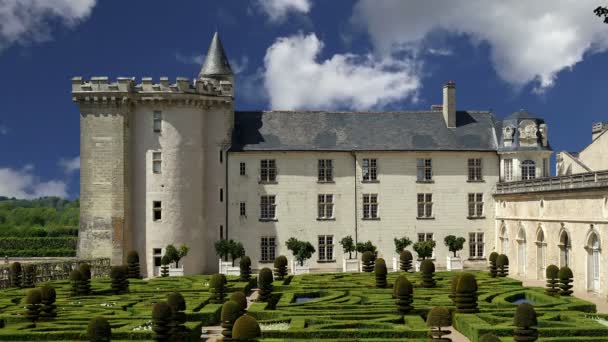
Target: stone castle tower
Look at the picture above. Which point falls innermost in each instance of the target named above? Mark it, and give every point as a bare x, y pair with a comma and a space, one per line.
153, 163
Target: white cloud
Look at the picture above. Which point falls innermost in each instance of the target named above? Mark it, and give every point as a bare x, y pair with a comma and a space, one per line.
29, 20
238, 66
530, 41
190, 59
294, 79
278, 10
24, 184
70, 165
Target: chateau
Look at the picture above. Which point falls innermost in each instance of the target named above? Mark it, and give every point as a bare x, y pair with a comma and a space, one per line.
174, 163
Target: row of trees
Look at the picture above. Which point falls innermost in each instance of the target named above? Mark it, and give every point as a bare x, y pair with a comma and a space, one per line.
424, 249
32, 217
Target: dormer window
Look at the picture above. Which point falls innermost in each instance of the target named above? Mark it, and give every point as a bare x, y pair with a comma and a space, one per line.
528, 170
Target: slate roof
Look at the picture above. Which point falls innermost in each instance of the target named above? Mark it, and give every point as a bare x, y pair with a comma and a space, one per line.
362, 131
216, 62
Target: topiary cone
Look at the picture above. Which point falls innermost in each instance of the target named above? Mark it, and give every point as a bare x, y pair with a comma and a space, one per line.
525, 321
16, 273
265, 280
161, 321
465, 297
133, 265
240, 298
427, 267
246, 328
565, 279
280, 267
231, 310
99, 330
405, 261
551, 274
380, 271
47, 299
32, 300
404, 294
367, 259
76, 279
438, 318
493, 268
502, 263
217, 287
245, 268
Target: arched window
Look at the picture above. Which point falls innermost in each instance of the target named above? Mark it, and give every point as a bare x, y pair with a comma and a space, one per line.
528, 170
521, 251
593, 262
541, 254
504, 240
565, 247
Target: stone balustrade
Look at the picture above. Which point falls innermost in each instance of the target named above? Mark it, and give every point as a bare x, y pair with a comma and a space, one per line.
586, 180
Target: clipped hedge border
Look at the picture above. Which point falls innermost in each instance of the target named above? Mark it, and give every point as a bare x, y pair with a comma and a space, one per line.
41, 252
13, 243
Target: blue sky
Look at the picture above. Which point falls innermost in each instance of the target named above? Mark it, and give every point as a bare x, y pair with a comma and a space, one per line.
548, 57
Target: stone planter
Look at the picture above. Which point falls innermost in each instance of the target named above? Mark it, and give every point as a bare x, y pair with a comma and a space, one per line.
226, 268
454, 263
417, 265
176, 272
297, 269
396, 264
350, 265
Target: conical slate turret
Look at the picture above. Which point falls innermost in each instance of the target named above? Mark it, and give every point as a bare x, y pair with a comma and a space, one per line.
216, 62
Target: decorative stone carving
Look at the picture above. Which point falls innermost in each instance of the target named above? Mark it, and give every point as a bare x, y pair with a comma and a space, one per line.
527, 133
508, 133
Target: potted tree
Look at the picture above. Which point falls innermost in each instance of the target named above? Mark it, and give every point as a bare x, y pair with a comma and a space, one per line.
400, 245
348, 246
362, 247
175, 255
424, 249
454, 245
302, 251
222, 249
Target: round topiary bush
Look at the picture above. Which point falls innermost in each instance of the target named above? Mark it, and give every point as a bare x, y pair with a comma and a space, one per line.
367, 259
99, 330
120, 283
488, 338
85, 284
133, 265
76, 279
280, 267
231, 310
502, 263
405, 261
525, 321
16, 274
565, 281
33, 299
164, 268
246, 328
217, 288
380, 271
493, 268
465, 297
404, 294
47, 299
240, 298
427, 267
161, 321
265, 284
552, 273
438, 318
29, 276
454, 286
245, 268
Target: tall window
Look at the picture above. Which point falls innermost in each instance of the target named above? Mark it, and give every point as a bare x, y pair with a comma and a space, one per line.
267, 207
475, 169
370, 170
157, 210
425, 237
425, 205
528, 170
425, 170
326, 247
326, 172
221, 232
242, 209
157, 255
268, 248
268, 170
221, 156
242, 169
476, 205
326, 206
508, 170
221, 195
157, 121
156, 162
476, 245
370, 206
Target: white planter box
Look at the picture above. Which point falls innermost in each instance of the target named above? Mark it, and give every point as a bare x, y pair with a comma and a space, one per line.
297, 269
395, 264
176, 272
453, 263
417, 265
350, 265
226, 268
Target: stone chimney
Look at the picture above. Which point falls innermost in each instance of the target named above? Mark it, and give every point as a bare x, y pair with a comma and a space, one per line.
597, 129
449, 104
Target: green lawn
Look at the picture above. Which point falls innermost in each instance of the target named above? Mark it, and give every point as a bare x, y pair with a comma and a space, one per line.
349, 308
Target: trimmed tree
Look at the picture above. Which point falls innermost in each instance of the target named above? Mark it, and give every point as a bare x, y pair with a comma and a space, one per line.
29, 276
217, 288
424, 248
47, 299
525, 321
222, 249
99, 330
565, 281
246, 328
133, 264
427, 267
161, 321
489, 338
301, 250
552, 273
33, 299
368, 246
280, 267
240, 298
380, 271
119, 283
245, 267
76, 279
502, 263
454, 243
176, 302
85, 284
367, 259
439, 317
265, 284
164, 268
465, 297
348, 246
175, 255
493, 268
405, 261
236, 250
230, 312
16, 274
401, 244
403, 292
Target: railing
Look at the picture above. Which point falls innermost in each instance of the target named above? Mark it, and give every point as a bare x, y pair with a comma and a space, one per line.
577, 181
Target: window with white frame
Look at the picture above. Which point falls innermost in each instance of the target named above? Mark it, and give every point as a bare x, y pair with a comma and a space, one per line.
157, 121
156, 162
242, 169
425, 170
425, 237
369, 170
326, 247
425, 205
476, 205
528, 170
326, 172
370, 206
157, 210
476, 249
267, 250
242, 209
508, 169
475, 173
267, 207
268, 170
325, 206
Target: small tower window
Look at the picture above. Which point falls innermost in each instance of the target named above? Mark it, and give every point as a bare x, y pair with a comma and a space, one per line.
243, 169
221, 156
221, 195
158, 121
157, 210
156, 162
